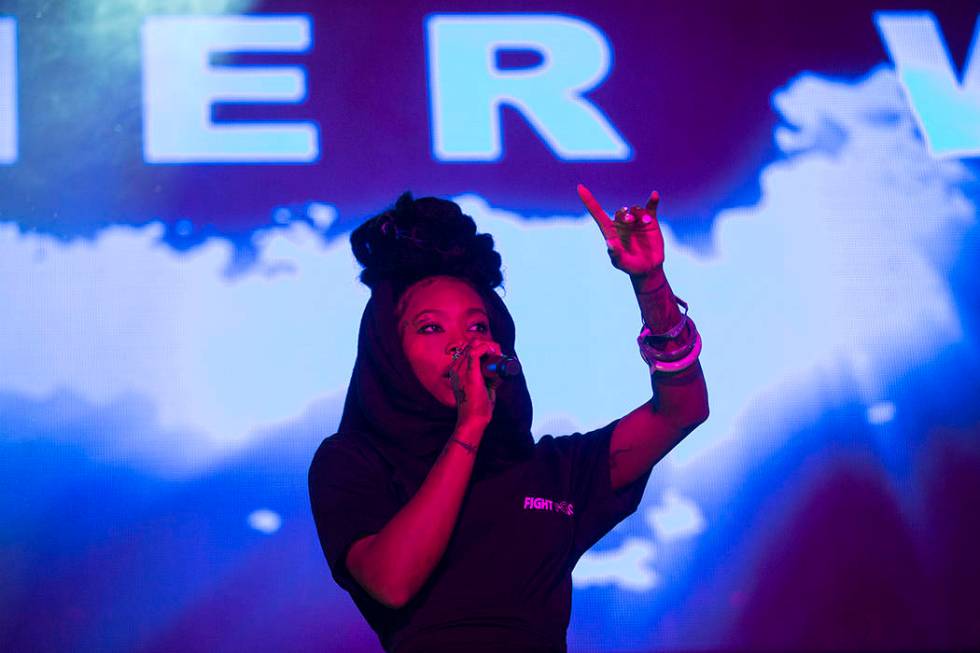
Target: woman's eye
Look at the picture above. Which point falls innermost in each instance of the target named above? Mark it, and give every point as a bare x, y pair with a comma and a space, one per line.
483, 326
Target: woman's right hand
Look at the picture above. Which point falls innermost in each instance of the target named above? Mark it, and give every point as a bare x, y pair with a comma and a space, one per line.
476, 395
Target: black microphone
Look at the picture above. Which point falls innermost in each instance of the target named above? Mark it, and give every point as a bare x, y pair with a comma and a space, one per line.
501, 366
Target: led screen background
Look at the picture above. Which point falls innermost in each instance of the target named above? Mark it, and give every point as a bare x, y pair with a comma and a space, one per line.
179, 316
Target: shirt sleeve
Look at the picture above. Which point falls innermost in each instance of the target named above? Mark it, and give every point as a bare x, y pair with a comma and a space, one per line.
598, 508
350, 500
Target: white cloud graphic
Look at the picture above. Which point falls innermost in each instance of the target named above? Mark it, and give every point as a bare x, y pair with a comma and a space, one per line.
676, 518
221, 358
628, 567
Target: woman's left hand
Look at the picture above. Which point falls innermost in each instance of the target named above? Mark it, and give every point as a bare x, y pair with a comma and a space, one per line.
633, 239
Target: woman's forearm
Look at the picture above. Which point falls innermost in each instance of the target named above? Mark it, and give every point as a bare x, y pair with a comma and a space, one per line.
681, 396
393, 564
656, 300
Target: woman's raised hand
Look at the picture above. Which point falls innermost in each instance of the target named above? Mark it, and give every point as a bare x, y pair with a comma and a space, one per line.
633, 239
476, 395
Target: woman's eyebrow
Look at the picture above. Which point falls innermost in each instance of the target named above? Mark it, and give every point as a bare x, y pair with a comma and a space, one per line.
469, 311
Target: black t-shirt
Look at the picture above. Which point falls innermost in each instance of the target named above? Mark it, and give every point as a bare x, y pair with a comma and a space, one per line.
505, 577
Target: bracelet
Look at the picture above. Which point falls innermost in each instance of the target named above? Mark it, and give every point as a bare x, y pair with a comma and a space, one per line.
677, 328
651, 352
675, 361
684, 363
469, 447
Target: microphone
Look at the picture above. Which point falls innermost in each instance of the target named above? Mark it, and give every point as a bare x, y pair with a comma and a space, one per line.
500, 366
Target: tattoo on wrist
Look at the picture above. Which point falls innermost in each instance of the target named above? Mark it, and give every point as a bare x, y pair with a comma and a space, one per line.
659, 308
650, 291
466, 445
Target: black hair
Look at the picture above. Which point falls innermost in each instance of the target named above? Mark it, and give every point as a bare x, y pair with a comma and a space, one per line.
424, 237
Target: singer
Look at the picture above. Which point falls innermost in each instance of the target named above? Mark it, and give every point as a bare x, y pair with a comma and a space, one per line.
448, 525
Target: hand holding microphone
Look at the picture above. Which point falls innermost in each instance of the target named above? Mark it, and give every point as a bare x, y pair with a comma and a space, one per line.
477, 369
499, 365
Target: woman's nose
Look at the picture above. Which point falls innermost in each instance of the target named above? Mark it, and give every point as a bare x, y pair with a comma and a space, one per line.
456, 345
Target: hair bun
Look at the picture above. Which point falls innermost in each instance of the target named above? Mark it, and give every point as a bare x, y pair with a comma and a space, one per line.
422, 237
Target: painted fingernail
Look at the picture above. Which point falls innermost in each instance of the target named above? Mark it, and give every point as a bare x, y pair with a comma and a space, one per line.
628, 217
647, 218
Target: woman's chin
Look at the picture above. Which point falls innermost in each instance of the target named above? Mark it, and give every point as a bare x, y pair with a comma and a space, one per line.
444, 393
450, 401
446, 399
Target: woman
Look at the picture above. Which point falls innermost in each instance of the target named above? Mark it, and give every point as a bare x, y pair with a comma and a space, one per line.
448, 525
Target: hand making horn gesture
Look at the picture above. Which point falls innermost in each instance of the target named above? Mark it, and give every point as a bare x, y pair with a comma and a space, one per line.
633, 239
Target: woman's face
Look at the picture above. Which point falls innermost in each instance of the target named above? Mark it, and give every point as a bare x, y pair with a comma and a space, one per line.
437, 314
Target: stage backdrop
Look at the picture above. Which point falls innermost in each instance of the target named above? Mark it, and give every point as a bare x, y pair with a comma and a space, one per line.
179, 307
